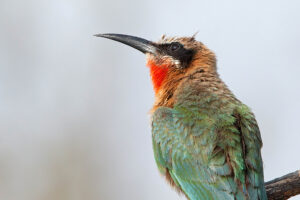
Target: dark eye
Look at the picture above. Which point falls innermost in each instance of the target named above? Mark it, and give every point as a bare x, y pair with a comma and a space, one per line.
175, 46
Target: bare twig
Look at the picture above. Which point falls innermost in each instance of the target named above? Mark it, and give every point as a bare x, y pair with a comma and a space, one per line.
284, 187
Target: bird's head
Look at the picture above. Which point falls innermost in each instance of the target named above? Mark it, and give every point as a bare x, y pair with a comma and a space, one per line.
171, 59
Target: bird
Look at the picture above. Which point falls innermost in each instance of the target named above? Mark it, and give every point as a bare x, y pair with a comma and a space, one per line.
206, 142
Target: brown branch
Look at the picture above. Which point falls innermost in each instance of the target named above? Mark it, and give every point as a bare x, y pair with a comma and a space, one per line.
284, 187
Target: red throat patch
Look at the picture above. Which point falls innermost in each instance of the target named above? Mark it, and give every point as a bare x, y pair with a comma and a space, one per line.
157, 73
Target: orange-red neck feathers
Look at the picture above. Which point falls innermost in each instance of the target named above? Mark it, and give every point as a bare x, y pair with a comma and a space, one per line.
157, 73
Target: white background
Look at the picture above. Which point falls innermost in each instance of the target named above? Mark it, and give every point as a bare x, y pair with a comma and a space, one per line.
74, 120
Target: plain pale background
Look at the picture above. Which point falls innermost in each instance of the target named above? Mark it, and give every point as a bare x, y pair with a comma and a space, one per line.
74, 120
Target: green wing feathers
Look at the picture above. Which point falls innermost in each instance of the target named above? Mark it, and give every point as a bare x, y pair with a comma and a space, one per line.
210, 155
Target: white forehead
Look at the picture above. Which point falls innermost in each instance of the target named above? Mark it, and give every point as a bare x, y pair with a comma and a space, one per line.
165, 39
182, 40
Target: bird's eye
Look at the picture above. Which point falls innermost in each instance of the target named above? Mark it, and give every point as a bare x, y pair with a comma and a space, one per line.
175, 46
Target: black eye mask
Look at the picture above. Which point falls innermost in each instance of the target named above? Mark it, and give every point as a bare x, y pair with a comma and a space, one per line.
178, 52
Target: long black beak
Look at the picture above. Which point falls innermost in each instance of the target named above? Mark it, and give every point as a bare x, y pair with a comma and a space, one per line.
140, 44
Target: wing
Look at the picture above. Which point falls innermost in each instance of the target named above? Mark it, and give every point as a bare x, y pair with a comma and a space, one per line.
252, 143
204, 163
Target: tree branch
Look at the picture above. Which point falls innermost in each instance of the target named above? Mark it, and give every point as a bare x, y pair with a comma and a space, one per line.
283, 187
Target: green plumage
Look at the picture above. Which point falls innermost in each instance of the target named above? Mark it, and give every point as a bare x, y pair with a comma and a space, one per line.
210, 145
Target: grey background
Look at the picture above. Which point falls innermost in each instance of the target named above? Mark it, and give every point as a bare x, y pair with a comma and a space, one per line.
74, 120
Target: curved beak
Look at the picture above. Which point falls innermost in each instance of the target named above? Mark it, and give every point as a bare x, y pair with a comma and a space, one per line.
140, 44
